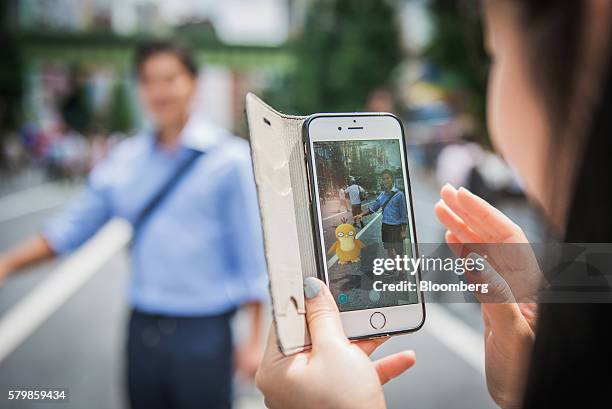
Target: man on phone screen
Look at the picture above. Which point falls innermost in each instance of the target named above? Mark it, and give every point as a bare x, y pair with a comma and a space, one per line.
392, 201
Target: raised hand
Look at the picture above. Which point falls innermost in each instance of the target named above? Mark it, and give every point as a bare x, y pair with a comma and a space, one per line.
473, 225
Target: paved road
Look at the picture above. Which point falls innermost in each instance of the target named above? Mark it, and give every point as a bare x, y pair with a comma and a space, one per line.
80, 347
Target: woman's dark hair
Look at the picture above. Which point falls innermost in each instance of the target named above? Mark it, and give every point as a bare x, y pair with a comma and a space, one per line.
570, 362
553, 30
182, 52
570, 365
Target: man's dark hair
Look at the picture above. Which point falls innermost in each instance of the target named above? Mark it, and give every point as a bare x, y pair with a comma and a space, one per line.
387, 172
182, 52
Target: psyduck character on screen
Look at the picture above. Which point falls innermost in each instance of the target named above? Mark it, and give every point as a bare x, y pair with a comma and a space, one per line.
346, 246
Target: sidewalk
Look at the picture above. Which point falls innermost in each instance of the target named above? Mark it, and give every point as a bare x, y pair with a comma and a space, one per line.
23, 179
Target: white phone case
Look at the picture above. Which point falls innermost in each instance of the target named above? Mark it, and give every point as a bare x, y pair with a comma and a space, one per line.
282, 189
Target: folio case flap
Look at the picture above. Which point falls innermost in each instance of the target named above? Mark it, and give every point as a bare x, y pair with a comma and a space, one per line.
282, 188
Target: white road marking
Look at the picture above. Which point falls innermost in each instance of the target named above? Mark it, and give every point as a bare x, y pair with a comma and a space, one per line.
335, 215
39, 304
334, 259
34, 199
347, 211
456, 335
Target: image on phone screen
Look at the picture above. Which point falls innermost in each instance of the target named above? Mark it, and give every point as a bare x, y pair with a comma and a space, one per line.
354, 178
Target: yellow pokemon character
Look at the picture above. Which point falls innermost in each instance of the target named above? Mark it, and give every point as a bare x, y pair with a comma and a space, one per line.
346, 246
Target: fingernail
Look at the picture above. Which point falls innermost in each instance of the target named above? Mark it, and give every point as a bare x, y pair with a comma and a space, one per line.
312, 287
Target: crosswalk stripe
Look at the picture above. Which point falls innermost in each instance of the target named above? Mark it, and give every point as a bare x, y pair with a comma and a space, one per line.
49, 295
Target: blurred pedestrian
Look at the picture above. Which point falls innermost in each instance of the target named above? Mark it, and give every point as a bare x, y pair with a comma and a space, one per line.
355, 193
187, 188
469, 165
380, 99
342, 200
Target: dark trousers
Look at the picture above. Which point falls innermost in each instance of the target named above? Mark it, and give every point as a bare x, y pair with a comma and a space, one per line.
392, 237
179, 362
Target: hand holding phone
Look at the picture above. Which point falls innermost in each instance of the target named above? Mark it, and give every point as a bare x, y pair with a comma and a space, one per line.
333, 364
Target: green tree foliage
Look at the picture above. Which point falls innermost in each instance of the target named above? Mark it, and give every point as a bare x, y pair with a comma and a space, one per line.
338, 167
365, 173
347, 49
77, 111
10, 72
457, 48
121, 117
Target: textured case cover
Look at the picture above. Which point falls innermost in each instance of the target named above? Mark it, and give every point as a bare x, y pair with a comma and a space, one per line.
282, 187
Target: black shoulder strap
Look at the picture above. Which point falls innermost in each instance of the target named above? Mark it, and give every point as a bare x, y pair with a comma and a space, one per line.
164, 191
382, 208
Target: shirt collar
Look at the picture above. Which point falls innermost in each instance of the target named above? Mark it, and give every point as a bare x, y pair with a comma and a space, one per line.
199, 134
202, 134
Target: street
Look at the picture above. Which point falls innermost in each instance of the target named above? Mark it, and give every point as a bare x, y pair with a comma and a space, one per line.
81, 345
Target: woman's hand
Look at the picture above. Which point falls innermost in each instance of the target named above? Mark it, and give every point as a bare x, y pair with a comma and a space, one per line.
5, 269
512, 273
335, 373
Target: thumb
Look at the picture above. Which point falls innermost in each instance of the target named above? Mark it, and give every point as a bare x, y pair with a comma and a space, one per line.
497, 289
322, 314
498, 303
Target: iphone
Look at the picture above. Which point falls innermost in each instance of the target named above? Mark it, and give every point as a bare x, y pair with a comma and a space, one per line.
363, 217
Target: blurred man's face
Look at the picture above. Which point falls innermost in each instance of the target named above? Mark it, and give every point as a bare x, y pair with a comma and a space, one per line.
387, 181
166, 88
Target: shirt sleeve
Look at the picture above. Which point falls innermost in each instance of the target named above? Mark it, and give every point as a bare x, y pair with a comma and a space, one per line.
403, 215
376, 204
246, 242
82, 218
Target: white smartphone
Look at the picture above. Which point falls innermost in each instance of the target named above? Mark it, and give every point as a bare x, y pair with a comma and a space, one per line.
363, 215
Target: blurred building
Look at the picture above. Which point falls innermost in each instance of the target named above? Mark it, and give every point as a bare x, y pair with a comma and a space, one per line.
84, 47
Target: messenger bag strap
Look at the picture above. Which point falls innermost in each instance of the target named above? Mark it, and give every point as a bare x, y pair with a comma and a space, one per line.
164, 191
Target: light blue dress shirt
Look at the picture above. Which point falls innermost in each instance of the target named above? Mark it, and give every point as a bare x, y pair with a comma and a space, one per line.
201, 250
395, 212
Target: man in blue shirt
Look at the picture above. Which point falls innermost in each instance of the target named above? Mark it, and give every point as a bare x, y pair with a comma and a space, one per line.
197, 258
392, 201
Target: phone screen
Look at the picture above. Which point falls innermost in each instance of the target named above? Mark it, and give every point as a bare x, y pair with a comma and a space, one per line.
364, 217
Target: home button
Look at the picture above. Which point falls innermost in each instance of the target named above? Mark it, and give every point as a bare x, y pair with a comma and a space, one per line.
378, 320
